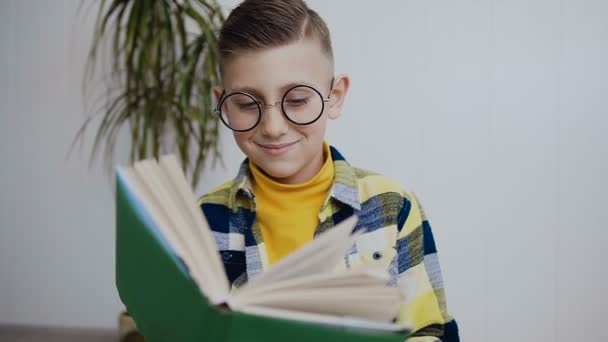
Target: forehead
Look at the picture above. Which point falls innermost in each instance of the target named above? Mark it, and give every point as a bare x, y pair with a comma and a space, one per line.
268, 69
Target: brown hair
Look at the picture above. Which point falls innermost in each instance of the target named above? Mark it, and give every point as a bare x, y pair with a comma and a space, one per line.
260, 24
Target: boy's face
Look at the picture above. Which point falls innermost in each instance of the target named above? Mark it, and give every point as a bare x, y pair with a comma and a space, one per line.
287, 152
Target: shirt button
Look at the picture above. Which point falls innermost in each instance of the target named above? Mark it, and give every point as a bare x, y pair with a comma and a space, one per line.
377, 255
226, 255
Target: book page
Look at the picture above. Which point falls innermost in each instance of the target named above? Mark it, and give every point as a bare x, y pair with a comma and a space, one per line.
332, 320
198, 223
377, 302
321, 255
149, 171
152, 207
361, 277
161, 199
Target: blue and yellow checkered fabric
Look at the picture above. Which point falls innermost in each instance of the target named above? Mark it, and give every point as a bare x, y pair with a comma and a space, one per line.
397, 233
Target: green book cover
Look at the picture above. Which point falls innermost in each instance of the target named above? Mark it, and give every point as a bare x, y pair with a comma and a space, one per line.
167, 305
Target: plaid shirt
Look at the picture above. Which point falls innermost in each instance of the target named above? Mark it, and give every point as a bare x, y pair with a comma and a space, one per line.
396, 233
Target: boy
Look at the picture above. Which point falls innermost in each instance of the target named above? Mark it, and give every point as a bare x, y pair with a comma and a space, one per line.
278, 93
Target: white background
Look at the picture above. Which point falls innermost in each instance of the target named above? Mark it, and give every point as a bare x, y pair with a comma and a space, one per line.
494, 112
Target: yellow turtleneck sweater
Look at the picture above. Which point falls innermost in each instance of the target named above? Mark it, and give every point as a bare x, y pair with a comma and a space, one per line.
288, 214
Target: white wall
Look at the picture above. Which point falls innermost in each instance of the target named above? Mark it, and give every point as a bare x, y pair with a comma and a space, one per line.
494, 112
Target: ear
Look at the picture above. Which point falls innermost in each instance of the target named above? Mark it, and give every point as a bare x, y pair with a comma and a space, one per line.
338, 95
217, 91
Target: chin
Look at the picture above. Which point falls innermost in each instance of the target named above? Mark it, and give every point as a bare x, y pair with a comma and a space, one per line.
278, 173
277, 169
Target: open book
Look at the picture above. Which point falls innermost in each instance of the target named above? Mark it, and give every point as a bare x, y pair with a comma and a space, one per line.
305, 286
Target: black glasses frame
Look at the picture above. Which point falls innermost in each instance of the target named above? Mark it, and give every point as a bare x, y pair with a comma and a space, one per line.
261, 104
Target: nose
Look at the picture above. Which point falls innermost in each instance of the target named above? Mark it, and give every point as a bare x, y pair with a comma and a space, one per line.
273, 123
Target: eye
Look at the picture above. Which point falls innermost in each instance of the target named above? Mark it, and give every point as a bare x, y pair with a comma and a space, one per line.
249, 105
297, 101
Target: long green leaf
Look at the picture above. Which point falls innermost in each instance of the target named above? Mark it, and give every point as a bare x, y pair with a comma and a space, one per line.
153, 92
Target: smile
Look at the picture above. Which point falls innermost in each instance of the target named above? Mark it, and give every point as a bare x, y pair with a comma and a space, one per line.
277, 149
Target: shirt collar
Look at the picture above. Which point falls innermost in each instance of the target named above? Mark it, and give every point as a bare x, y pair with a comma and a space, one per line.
240, 185
344, 189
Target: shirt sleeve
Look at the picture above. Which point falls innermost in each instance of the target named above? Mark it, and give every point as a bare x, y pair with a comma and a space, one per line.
419, 278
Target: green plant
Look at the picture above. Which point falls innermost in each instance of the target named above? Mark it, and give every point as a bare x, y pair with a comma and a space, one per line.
161, 79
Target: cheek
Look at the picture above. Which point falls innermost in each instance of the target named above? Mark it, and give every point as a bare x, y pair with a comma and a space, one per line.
315, 130
242, 138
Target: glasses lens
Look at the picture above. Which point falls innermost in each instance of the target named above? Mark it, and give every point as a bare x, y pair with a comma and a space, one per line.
302, 105
240, 112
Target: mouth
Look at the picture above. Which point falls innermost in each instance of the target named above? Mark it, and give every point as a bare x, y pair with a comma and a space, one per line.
276, 149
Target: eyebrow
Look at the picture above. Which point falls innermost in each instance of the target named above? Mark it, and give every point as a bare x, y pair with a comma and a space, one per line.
256, 92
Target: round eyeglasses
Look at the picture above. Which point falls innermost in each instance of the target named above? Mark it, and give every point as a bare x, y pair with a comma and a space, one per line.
301, 105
